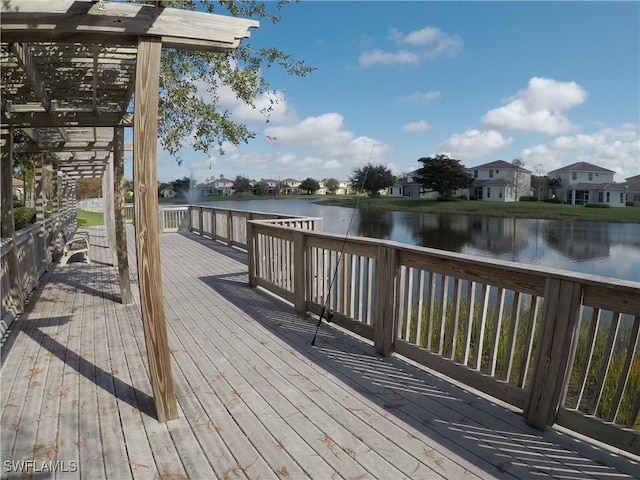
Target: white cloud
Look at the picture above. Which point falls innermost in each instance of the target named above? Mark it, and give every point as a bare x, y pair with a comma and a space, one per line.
419, 126
539, 108
381, 57
426, 44
432, 41
422, 97
474, 143
615, 148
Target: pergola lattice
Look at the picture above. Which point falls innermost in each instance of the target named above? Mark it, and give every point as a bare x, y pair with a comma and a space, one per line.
69, 70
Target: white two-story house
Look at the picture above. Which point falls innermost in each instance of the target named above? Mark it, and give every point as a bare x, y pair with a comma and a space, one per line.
633, 189
499, 181
582, 182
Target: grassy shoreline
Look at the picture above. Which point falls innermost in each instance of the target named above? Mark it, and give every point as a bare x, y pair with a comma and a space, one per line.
469, 207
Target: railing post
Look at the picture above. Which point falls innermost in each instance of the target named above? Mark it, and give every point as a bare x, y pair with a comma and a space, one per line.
299, 271
251, 253
558, 331
229, 228
200, 221
384, 312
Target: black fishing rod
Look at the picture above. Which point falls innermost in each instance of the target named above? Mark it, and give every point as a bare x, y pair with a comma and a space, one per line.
326, 312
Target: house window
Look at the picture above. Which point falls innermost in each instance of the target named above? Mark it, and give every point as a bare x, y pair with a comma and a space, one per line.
500, 193
636, 197
608, 197
590, 177
490, 173
621, 197
600, 197
475, 174
488, 192
574, 175
497, 171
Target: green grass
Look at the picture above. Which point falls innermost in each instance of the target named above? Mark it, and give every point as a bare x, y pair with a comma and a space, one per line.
495, 209
632, 390
89, 219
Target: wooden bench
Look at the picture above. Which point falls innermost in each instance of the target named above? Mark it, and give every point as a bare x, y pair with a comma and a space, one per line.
77, 243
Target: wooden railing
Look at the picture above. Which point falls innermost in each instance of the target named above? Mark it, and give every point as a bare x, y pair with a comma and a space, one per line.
35, 248
231, 226
558, 345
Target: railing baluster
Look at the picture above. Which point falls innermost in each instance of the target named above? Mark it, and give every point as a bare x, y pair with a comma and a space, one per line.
626, 370
606, 362
513, 334
534, 306
482, 321
471, 300
457, 286
497, 326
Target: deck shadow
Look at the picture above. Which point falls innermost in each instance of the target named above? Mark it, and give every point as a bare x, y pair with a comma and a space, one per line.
239, 256
500, 437
100, 377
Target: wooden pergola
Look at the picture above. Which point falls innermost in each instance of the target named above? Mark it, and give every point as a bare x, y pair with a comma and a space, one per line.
70, 70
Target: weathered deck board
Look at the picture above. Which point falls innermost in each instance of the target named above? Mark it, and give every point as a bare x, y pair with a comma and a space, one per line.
255, 398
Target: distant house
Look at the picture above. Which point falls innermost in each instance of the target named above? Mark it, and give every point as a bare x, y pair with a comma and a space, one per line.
168, 192
18, 189
409, 186
223, 186
582, 182
344, 188
633, 189
290, 186
499, 181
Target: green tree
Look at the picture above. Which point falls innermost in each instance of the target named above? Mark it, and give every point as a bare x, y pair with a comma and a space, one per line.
182, 186
371, 179
310, 185
241, 184
521, 186
88, 188
443, 174
262, 188
331, 184
189, 107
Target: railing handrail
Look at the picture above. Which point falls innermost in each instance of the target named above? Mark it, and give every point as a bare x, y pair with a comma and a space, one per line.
628, 286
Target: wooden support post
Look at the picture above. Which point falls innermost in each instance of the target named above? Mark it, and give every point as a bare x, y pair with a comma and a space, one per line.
299, 271
119, 216
7, 224
147, 230
384, 312
108, 213
562, 301
41, 259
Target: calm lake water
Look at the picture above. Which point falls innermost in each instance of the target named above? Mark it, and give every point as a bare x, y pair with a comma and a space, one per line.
599, 248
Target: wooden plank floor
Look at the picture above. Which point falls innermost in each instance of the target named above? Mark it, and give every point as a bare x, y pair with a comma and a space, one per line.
256, 399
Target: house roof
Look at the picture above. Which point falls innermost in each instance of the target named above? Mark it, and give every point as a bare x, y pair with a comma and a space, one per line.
498, 164
634, 179
581, 167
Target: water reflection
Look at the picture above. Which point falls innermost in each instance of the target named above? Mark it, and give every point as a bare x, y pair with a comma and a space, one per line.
374, 223
581, 241
446, 232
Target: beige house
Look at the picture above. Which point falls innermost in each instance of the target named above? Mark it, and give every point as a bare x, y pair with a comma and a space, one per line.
499, 181
633, 189
582, 182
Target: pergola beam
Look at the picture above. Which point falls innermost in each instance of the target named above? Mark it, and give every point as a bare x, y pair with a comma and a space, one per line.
92, 22
68, 119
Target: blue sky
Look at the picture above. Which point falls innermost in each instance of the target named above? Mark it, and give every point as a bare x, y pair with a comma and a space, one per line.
549, 83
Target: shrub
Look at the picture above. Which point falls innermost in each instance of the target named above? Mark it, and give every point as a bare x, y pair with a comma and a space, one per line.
597, 205
630, 203
528, 198
24, 216
552, 200
83, 222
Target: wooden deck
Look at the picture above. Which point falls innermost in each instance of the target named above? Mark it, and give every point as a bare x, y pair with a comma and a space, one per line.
256, 399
